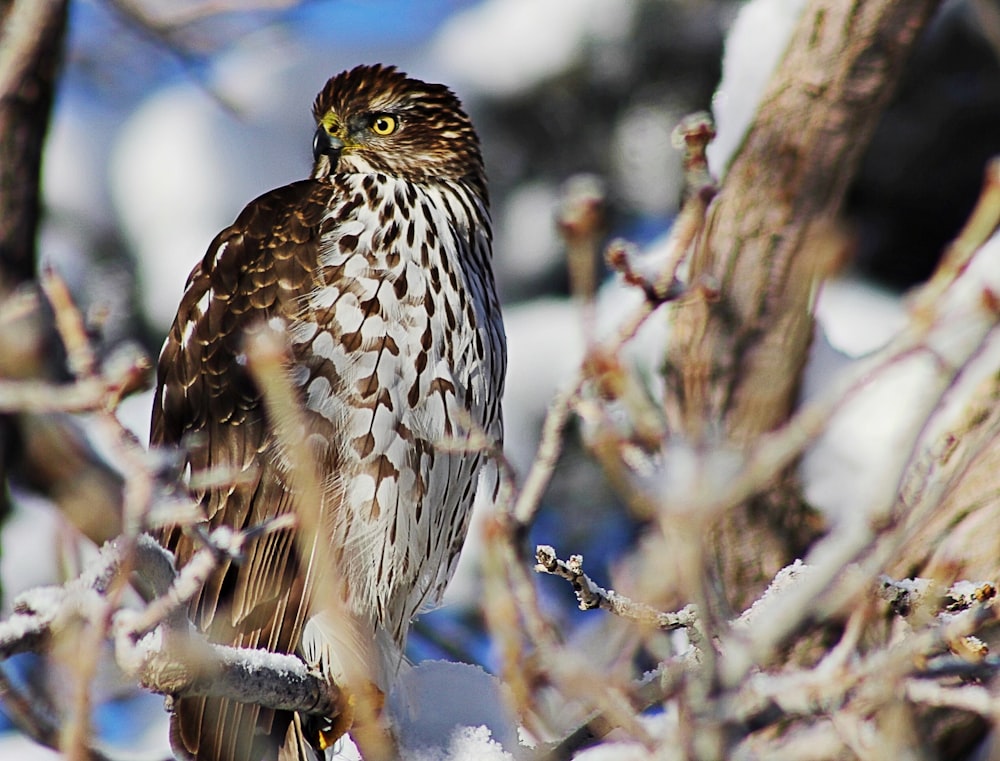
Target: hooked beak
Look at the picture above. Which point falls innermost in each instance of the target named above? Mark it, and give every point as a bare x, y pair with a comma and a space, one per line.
325, 144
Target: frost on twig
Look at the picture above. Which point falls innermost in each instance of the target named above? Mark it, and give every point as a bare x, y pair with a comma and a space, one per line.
591, 596
851, 682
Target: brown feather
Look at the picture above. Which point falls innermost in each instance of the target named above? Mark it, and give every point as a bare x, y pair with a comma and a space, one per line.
250, 275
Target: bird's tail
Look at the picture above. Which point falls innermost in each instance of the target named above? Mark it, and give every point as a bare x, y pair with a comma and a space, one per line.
213, 729
296, 747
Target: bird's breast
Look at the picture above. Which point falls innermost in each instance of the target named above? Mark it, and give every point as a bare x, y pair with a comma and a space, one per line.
388, 345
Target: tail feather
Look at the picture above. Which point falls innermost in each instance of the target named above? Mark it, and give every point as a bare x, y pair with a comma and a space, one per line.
213, 729
296, 747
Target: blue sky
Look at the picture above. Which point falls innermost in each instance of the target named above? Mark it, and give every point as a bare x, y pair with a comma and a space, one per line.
102, 60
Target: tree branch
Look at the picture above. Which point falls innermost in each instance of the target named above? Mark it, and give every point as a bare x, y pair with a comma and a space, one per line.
166, 660
592, 596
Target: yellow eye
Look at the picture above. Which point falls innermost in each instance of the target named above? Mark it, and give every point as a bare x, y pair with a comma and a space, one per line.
384, 124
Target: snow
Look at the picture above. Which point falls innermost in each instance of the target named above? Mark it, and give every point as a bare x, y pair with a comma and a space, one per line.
858, 317
133, 656
771, 602
545, 345
134, 413
647, 167
754, 47
544, 348
854, 466
620, 751
445, 711
855, 463
27, 547
854, 319
506, 47
170, 210
434, 698
658, 725
17, 746
74, 173
526, 232
466, 744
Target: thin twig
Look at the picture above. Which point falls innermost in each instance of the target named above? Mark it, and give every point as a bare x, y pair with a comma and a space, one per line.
222, 542
549, 447
592, 596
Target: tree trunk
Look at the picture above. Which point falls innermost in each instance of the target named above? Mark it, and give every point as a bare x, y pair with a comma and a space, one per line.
44, 451
737, 351
30, 55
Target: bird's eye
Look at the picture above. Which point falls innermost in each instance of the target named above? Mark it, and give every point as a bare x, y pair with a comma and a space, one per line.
384, 124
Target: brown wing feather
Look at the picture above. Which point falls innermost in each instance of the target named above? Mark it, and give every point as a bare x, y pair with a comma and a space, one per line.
205, 401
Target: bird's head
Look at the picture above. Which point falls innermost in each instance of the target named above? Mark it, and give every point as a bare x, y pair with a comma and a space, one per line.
376, 119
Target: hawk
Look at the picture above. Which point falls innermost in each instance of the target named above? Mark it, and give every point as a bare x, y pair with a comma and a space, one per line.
379, 266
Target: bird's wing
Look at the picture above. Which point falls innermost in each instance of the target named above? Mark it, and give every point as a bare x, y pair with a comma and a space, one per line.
206, 402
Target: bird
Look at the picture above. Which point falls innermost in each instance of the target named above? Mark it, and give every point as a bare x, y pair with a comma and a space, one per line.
378, 268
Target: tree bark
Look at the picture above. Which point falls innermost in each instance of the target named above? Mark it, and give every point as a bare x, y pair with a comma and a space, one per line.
737, 351
45, 451
31, 35
31, 45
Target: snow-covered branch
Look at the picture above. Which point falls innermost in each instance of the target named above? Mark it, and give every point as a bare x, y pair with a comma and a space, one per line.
148, 644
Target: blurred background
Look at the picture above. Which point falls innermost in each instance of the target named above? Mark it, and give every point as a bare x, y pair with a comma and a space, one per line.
172, 114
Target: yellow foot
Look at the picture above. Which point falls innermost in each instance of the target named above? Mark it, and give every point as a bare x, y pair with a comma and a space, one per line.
358, 712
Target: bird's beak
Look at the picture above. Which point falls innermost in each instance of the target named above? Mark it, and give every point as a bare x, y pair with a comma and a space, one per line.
325, 144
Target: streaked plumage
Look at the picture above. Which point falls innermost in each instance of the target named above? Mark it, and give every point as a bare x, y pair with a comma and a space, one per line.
380, 267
